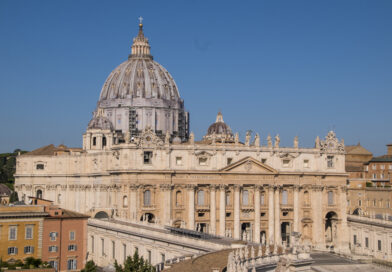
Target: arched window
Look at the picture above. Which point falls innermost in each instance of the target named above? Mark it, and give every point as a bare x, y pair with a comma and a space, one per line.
284, 197
59, 198
330, 198
306, 198
228, 198
125, 201
178, 198
245, 197
147, 198
103, 141
39, 194
94, 141
200, 197
262, 199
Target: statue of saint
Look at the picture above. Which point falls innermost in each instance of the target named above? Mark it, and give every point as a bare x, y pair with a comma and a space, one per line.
167, 137
296, 142
127, 137
269, 141
192, 138
317, 143
257, 140
277, 141
236, 138
247, 138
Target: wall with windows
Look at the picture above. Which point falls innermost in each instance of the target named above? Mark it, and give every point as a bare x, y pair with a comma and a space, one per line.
20, 237
371, 237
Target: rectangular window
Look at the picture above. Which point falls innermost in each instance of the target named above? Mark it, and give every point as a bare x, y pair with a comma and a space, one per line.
113, 249
306, 163
284, 197
366, 242
72, 235
229, 161
71, 247
54, 264
13, 233
163, 258
28, 249
374, 167
374, 175
245, 197
53, 249
379, 245
29, 232
124, 252
149, 256
286, 163
71, 264
359, 202
53, 236
382, 166
355, 239
330, 162
203, 161
40, 166
178, 160
330, 198
12, 250
147, 157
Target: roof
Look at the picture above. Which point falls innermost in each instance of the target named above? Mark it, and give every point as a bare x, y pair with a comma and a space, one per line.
50, 150
67, 214
357, 150
384, 158
4, 190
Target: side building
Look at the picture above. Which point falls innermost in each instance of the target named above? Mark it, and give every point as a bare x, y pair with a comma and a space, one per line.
43, 231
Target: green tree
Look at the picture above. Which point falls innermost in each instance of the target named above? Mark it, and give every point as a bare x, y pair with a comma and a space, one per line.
134, 264
90, 267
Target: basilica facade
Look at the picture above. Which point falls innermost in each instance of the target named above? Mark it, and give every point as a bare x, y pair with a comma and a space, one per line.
139, 162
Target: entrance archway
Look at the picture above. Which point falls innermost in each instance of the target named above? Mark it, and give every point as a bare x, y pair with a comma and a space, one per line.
357, 211
101, 215
331, 219
246, 231
148, 217
39, 194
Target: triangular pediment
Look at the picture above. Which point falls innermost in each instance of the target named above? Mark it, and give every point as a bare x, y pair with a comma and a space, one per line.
249, 165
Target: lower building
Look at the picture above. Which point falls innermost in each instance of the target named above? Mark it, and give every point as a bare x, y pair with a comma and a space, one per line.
43, 231
21, 229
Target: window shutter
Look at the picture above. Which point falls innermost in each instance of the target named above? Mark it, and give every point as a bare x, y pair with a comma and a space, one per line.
76, 247
32, 249
16, 250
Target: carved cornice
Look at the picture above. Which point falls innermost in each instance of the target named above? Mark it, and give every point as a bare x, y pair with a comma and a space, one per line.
190, 187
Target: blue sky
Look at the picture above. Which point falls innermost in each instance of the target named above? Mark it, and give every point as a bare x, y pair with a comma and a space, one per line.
288, 67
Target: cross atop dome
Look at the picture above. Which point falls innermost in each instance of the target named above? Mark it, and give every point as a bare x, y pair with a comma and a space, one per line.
140, 46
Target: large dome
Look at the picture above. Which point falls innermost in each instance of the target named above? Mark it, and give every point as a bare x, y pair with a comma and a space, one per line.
139, 78
140, 94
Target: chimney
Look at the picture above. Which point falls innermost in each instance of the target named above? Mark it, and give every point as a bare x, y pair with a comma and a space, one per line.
389, 148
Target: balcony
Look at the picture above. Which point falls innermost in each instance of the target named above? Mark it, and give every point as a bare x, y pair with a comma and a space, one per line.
202, 208
148, 207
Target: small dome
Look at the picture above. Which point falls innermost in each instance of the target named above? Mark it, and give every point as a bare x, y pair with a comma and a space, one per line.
220, 130
100, 122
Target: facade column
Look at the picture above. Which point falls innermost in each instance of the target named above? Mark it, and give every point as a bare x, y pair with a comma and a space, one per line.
166, 189
213, 209
278, 238
222, 210
191, 206
342, 235
133, 202
256, 235
271, 220
318, 232
236, 212
296, 209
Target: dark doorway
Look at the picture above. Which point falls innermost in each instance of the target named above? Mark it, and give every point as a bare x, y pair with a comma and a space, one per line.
331, 227
39, 194
148, 217
246, 231
101, 215
285, 230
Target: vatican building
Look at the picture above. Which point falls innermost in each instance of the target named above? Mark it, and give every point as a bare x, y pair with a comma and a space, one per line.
140, 165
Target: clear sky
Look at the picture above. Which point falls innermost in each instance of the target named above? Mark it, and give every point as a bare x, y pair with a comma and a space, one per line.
288, 67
